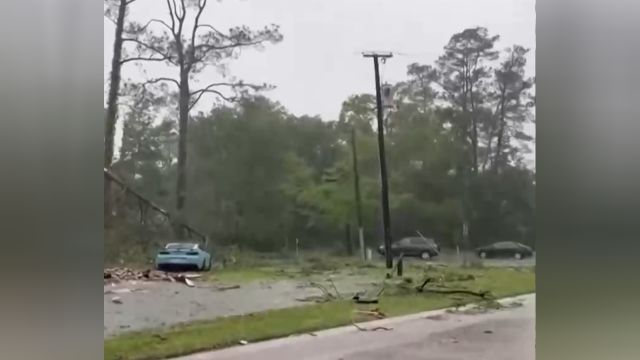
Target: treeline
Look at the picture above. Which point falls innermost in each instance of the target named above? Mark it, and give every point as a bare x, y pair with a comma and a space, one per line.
260, 177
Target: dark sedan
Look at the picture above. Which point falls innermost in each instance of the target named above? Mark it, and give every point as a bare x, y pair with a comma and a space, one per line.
505, 249
424, 248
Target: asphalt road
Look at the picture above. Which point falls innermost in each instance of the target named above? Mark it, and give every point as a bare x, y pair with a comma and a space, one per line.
507, 334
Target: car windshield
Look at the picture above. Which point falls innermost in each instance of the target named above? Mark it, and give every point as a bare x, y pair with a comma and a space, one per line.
181, 246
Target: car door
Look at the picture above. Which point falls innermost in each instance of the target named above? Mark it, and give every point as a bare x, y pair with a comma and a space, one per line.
506, 249
418, 246
400, 246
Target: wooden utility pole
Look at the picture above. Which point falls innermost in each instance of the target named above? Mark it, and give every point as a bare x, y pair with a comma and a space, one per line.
347, 239
383, 163
356, 185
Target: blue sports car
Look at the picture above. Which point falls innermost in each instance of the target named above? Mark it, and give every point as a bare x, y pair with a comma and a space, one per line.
181, 256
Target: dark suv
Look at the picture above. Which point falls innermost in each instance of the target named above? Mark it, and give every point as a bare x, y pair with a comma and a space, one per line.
424, 248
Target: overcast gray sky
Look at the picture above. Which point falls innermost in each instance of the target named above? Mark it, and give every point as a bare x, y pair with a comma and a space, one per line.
318, 64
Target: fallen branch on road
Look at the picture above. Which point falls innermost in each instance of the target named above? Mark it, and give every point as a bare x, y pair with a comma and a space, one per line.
225, 288
371, 329
482, 294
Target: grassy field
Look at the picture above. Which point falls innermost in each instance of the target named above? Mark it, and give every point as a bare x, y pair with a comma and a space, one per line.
399, 298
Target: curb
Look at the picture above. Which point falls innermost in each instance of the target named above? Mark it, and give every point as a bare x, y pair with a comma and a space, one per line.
410, 317
267, 344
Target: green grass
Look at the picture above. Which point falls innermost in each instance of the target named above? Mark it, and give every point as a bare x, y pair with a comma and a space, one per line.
224, 332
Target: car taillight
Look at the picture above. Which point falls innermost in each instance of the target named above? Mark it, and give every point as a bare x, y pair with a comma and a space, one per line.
163, 253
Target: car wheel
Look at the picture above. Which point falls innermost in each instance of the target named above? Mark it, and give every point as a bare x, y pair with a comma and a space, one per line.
204, 265
518, 256
425, 255
483, 255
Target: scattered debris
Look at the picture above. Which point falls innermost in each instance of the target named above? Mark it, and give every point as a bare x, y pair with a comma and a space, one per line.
335, 288
482, 294
117, 291
514, 304
243, 342
438, 317
479, 308
363, 297
420, 288
326, 294
225, 288
185, 280
407, 280
373, 312
371, 329
192, 276
360, 300
312, 334
114, 275
488, 332
116, 300
160, 337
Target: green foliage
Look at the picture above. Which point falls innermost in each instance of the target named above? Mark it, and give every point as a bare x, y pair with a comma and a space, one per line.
260, 177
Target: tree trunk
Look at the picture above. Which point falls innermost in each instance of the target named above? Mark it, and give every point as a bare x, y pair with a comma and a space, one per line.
112, 102
474, 143
181, 184
498, 160
347, 239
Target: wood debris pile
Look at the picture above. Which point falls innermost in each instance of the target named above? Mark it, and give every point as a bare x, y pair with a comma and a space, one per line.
114, 275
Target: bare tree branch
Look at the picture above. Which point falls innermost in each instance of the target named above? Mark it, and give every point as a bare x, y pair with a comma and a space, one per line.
218, 32
208, 47
166, 56
157, 80
162, 22
183, 10
142, 58
210, 91
192, 49
233, 85
171, 16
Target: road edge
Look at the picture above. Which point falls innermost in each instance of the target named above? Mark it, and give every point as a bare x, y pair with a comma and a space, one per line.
523, 298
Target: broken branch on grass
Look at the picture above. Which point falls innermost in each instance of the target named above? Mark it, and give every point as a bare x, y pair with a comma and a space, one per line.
324, 290
335, 288
375, 313
424, 283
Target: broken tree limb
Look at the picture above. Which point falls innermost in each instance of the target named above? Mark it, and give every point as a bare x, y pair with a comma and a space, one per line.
374, 312
335, 288
142, 199
225, 288
424, 283
322, 288
482, 294
371, 329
